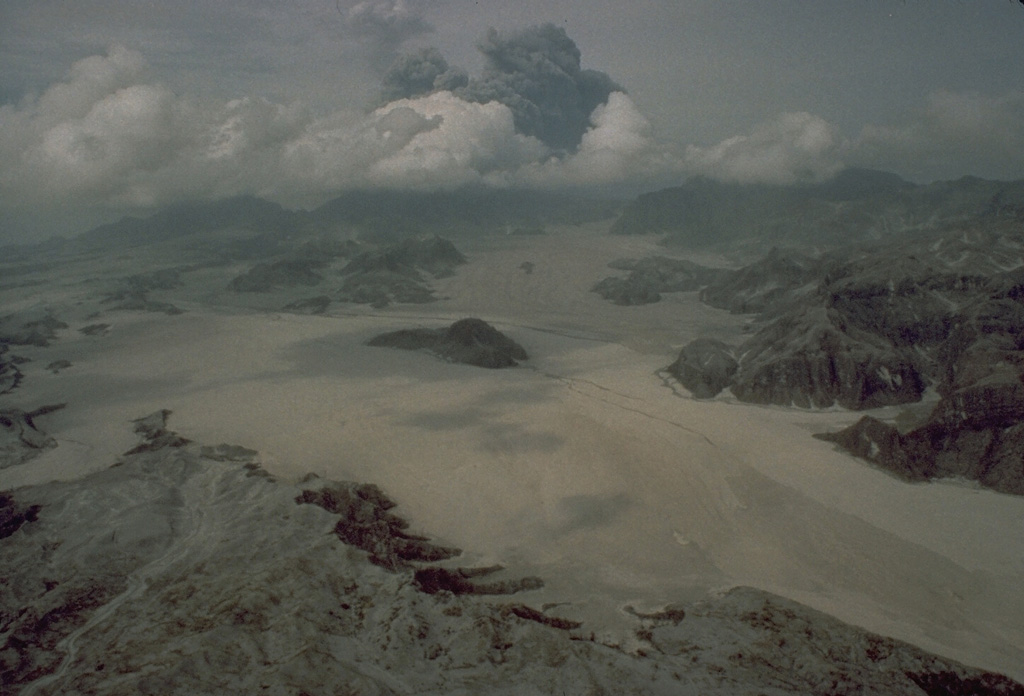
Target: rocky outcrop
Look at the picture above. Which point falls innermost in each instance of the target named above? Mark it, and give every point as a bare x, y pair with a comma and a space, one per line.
650, 277
467, 341
975, 434
20, 438
154, 435
13, 515
367, 523
460, 581
705, 367
395, 273
10, 375
284, 273
874, 327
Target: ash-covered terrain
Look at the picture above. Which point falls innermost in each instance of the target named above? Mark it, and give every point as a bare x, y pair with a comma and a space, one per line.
639, 506
200, 573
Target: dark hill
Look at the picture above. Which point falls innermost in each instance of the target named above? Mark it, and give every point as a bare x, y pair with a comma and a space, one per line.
467, 341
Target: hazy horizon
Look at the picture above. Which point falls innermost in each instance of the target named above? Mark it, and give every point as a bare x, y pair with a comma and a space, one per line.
140, 106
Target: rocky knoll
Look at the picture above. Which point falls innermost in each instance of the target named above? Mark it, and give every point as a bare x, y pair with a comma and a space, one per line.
467, 341
273, 275
184, 569
650, 277
705, 367
395, 273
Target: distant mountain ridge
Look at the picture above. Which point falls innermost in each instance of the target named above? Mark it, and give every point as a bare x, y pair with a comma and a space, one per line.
856, 205
373, 215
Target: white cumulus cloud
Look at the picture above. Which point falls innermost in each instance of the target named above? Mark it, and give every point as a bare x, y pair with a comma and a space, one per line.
618, 147
107, 138
793, 147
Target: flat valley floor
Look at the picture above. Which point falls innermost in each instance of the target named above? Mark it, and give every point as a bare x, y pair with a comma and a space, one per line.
585, 465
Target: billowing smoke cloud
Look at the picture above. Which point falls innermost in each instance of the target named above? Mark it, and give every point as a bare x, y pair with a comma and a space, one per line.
795, 147
535, 72
418, 74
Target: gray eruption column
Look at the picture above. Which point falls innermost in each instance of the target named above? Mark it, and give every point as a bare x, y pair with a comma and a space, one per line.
534, 72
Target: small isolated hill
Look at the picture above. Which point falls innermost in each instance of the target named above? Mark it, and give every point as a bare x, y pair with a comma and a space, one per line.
467, 341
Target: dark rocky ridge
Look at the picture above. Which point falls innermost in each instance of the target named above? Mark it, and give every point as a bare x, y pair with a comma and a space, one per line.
875, 326
813, 358
367, 523
977, 434
467, 341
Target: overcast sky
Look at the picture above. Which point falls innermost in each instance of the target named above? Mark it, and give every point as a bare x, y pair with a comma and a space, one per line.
112, 107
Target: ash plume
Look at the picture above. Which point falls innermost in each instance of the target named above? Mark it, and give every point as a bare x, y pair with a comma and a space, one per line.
535, 72
417, 74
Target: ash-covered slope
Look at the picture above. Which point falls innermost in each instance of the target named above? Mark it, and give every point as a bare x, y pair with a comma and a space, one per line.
877, 330
467, 341
186, 569
856, 205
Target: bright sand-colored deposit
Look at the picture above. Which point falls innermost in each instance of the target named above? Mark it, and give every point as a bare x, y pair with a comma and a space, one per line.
582, 465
